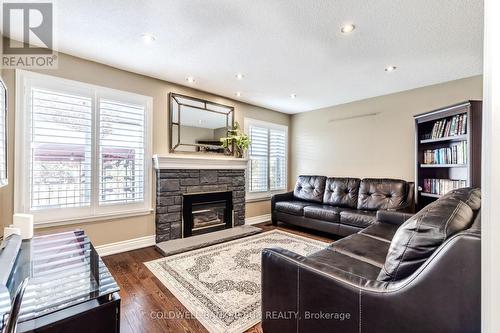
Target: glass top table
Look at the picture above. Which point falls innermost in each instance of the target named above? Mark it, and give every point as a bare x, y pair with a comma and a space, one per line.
63, 269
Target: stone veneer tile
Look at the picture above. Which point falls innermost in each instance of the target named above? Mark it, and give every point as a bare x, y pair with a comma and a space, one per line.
171, 184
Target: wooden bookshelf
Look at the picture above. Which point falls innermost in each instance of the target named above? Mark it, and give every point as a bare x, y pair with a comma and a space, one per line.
429, 195
467, 173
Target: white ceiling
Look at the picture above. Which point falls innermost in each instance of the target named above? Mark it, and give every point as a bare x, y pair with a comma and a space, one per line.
282, 46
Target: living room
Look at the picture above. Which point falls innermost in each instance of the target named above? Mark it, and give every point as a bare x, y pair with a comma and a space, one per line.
249, 167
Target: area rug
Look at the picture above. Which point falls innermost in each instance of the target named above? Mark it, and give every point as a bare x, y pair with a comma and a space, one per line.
220, 285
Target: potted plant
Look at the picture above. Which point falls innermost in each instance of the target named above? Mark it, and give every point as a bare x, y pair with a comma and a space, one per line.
238, 139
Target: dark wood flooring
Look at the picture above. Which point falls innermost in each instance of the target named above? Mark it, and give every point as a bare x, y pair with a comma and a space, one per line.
147, 306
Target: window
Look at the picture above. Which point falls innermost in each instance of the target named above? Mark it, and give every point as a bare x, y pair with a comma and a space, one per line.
82, 151
267, 169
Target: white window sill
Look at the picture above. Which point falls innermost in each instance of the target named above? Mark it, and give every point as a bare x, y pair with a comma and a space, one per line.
256, 197
90, 219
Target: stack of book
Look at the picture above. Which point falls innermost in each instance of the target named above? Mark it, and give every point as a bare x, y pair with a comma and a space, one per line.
456, 125
442, 186
456, 154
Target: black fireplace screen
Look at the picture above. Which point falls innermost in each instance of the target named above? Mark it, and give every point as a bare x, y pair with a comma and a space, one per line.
207, 212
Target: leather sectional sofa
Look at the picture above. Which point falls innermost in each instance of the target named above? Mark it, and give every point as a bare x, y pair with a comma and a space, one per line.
403, 273
341, 206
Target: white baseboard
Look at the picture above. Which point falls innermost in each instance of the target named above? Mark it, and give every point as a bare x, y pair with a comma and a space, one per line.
126, 245
258, 219
138, 243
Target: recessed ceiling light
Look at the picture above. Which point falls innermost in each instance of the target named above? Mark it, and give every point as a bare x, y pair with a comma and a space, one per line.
148, 38
293, 96
190, 79
238, 94
390, 69
239, 76
347, 28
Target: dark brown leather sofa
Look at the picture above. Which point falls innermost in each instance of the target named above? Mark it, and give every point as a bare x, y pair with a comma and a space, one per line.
404, 273
341, 206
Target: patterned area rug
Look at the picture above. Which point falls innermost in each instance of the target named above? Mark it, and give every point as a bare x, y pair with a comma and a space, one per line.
220, 284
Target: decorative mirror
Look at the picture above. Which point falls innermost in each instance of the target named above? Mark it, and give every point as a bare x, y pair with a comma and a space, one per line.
197, 125
3, 134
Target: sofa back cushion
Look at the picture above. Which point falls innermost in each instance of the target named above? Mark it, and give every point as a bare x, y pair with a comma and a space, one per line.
310, 188
375, 194
417, 238
342, 192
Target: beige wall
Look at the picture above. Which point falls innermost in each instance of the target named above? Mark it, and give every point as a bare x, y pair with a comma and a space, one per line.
378, 146
90, 72
372, 146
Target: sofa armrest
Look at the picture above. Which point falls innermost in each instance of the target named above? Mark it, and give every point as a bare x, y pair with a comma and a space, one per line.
409, 205
392, 217
276, 198
296, 288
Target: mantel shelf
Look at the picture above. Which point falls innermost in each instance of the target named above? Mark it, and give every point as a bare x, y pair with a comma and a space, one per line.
186, 161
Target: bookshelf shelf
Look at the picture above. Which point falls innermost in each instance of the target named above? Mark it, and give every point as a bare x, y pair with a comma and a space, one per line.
430, 195
443, 165
448, 150
454, 138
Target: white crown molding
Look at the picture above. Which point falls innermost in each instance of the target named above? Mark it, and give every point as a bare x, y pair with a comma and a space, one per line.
181, 161
126, 245
258, 219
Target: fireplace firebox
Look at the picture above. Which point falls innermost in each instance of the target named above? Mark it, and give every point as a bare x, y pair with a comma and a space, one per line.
207, 212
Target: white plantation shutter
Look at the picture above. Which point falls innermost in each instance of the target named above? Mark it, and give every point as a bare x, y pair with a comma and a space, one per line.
121, 145
259, 155
84, 150
61, 132
267, 169
277, 159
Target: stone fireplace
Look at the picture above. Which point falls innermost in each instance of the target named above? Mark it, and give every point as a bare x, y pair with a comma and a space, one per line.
211, 189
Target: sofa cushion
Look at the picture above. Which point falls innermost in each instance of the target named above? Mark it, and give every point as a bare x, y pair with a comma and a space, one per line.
291, 207
358, 218
322, 212
310, 188
375, 194
472, 197
342, 192
346, 263
422, 234
363, 248
381, 230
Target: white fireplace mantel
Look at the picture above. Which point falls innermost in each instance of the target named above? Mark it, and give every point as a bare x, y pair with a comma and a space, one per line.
186, 161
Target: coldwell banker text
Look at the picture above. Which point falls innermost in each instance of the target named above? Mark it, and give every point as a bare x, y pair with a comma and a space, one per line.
28, 30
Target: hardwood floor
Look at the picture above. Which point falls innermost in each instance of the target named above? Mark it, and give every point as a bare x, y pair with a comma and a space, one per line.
147, 306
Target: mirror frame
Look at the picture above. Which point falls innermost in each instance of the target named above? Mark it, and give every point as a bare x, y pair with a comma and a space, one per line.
5, 182
173, 97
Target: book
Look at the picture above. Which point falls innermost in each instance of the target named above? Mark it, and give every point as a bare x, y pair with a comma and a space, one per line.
456, 125
441, 186
464, 123
456, 154
453, 126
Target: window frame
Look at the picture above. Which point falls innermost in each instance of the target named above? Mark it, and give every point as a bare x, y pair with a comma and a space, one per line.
265, 195
25, 80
